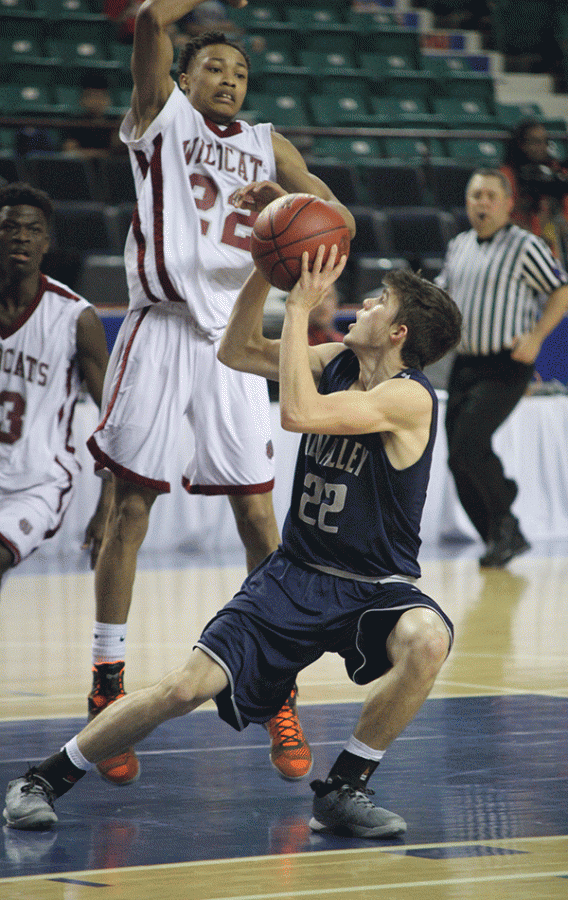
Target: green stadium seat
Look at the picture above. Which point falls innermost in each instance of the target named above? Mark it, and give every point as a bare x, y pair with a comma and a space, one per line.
277, 35
300, 16
272, 60
10, 166
282, 110
24, 26
344, 85
34, 99
379, 63
346, 111
406, 83
295, 81
341, 178
16, 50
444, 65
390, 41
388, 183
448, 180
510, 114
464, 113
416, 150
63, 176
121, 53
328, 38
73, 52
402, 112
253, 15
468, 86
482, 153
350, 149
15, 6
62, 9
7, 141
324, 63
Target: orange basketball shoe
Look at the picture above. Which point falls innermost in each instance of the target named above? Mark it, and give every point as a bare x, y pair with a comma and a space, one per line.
290, 752
108, 686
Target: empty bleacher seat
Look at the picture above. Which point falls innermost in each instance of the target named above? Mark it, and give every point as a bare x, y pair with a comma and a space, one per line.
306, 14
368, 272
403, 112
280, 109
351, 149
458, 113
481, 152
417, 232
116, 179
388, 183
372, 236
346, 109
448, 181
416, 150
64, 177
103, 280
340, 177
34, 99
327, 62
86, 228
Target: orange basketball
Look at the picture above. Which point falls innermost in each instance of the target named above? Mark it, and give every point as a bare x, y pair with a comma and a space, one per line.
288, 227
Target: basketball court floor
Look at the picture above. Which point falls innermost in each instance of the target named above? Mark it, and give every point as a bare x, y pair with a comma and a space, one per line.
480, 775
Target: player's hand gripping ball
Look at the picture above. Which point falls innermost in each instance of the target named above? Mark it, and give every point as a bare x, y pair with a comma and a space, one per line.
289, 226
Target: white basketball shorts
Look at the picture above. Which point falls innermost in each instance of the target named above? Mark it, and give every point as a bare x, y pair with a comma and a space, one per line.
29, 517
161, 371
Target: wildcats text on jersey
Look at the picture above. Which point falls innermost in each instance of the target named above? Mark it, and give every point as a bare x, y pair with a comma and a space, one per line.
337, 452
222, 157
25, 366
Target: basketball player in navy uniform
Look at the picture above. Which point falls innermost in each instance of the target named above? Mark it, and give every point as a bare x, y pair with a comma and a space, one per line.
51, 339
343, 578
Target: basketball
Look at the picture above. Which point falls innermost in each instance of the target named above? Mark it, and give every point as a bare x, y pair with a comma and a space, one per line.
289, 226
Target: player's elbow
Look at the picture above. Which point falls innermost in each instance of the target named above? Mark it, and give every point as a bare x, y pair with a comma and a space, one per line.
228, 356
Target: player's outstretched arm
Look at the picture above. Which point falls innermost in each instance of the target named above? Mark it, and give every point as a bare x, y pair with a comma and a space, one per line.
243, 345
294, 177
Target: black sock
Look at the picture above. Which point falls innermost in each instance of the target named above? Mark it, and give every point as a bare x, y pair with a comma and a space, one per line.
59, 772
352, 769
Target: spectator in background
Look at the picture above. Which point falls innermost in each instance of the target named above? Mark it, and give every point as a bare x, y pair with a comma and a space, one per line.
321, 322
540, 186
97, 136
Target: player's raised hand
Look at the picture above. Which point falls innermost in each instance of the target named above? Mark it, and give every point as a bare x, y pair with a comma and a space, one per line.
314, 283
257, 195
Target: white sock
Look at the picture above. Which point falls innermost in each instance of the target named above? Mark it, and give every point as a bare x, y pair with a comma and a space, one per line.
358, 748
76, 756
109, 642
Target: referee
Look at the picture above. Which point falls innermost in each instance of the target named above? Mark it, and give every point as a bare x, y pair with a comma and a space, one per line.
512, 293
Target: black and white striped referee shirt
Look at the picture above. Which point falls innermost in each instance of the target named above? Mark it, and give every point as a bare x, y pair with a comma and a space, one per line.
499, 285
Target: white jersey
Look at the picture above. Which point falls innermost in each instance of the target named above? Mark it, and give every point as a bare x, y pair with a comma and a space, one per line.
187, 244
39, 384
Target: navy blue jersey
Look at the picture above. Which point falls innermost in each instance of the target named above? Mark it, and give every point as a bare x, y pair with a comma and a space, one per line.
351, 509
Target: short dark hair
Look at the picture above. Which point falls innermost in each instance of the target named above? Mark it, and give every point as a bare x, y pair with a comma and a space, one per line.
430, 315
18, 193
192, 48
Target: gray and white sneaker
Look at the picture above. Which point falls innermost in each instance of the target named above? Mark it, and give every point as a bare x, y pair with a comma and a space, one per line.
341, 809
29, 803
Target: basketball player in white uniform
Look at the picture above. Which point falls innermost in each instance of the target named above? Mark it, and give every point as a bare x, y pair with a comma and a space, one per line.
50, 340
187, 255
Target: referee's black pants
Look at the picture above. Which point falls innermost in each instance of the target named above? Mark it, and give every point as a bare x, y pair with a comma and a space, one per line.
482, 391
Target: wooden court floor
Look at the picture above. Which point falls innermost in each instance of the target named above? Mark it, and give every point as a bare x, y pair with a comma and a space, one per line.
480, 775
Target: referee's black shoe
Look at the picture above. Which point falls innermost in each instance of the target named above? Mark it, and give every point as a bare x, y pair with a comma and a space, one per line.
508, 542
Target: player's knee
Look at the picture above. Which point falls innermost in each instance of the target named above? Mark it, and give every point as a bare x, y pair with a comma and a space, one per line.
422, 643
131, 517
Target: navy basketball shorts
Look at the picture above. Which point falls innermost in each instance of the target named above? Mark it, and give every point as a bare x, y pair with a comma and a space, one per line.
285, 617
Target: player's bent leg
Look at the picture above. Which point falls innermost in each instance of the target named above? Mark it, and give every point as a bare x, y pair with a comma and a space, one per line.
30, 799
256, 524
417, 647
114, 579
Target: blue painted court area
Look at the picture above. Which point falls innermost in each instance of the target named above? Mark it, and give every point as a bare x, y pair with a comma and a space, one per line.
467, 769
